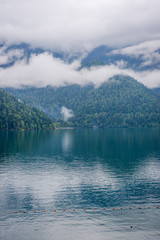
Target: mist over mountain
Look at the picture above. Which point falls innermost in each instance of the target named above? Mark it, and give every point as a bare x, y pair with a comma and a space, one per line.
137, 57
78, 42
22, 65
68, 51
125, 58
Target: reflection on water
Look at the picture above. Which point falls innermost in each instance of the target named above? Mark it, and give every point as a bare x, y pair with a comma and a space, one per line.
80, 169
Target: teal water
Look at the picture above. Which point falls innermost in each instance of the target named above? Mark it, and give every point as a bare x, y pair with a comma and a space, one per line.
77, 169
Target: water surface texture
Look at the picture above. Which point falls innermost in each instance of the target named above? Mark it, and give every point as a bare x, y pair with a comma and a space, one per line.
74, 169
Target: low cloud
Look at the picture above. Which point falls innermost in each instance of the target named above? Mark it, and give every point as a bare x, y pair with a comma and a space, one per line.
43, 70
76, 25
8, 56
149, 51
66, 113
140, 49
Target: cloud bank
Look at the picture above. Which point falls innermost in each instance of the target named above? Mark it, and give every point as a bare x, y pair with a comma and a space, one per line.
75, 25
8, 56
43, 70
149, 51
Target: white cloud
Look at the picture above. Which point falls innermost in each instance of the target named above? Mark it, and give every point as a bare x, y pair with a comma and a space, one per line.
147, 47
66, 113
8, 56
147, 50
77, 26
74, 25
152, 59
44, 69
121, 64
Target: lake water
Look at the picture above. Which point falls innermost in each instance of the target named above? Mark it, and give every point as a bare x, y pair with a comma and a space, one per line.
70, 169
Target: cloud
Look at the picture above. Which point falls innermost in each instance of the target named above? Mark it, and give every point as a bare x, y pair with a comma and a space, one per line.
74, 25
149, 51
143, 48
66, 113
8, 56
44, 69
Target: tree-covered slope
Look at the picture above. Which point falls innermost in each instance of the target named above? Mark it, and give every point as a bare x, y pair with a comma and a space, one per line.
119, 102
16, 115
156, 92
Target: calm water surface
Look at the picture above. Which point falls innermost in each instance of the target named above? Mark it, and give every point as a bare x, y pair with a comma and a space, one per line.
77, 169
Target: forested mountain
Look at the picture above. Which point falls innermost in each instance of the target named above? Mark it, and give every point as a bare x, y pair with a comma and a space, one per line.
16, 115
156, 92
119, 102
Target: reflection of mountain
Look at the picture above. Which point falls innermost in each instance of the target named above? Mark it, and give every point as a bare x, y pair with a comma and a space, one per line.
23, 142
79, 168
119, 148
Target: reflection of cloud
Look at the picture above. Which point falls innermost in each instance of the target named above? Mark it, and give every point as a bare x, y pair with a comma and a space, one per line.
149, 172
56, 182
49, 183
67, 141
44, 69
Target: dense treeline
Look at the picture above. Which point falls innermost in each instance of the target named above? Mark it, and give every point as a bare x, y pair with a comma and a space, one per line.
156, 92
120, 102
16, 115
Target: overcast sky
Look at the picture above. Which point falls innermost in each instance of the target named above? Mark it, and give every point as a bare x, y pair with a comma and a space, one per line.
76, 24
73, 26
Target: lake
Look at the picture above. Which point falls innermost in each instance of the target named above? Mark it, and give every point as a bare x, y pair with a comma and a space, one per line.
76, 184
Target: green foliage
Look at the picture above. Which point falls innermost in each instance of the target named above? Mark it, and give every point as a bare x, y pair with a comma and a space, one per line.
119, 102
16, 115
156, 92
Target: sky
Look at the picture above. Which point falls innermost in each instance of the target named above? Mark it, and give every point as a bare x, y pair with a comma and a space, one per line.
75, 26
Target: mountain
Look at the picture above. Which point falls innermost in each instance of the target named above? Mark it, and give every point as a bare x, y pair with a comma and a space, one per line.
119, 102
104, 55
135, 57
17, 115
18, 52
156, 91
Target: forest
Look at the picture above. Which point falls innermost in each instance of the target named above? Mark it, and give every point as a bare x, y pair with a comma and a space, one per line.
16, 115
118, 102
